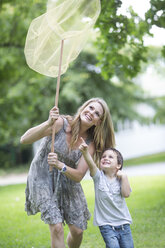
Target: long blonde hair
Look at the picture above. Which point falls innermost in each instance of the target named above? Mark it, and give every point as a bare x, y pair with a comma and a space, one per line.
102, 134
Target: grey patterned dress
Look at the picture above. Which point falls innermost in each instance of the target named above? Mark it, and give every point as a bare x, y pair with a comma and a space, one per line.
58, 198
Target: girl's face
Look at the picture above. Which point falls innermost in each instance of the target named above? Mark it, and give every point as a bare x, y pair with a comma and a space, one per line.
91, 114
109, 160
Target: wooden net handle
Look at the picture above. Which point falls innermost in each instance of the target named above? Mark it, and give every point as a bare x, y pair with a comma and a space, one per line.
56, 99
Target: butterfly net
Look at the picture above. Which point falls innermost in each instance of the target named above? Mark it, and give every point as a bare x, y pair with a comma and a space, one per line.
68, 20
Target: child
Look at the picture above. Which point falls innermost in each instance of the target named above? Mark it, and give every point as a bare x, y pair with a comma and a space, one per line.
111, 187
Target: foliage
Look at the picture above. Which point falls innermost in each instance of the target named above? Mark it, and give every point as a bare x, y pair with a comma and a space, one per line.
160, 113
91, 83
105, 71
156, 15
122, 52
146, 205
120, 41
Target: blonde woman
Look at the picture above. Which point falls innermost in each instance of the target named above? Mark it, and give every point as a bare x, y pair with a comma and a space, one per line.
58, 194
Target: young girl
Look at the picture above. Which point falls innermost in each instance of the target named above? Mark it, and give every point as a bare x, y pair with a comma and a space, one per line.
57, 194
111, 187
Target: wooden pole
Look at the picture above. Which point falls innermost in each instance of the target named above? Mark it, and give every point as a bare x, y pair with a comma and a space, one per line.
56, 99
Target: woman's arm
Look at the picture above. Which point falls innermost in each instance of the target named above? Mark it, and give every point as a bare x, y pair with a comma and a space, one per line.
44, 129
73, 174
125, 186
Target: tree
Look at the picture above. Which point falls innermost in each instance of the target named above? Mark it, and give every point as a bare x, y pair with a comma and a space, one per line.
120, 41
26, 96
122, 54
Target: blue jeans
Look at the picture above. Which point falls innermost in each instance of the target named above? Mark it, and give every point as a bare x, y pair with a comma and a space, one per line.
117, 236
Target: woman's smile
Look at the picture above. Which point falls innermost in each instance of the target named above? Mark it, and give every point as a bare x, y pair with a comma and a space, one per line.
92, 113
88, 117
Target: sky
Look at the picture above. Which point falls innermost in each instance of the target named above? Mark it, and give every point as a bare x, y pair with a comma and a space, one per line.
139, 6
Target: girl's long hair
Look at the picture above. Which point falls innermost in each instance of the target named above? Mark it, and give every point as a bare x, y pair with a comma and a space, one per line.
102, 134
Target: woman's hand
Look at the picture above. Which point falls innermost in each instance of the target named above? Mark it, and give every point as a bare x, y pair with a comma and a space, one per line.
53, 115
53, 161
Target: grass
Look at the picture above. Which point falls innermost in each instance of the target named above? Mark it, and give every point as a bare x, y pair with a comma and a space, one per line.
146, 205
148, 159
14, 170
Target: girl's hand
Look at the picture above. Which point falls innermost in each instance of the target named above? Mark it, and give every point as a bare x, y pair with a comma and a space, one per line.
120, 174
53, 115
83, 147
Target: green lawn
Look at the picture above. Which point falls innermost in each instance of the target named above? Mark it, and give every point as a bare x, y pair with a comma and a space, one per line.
148, 159
146, 204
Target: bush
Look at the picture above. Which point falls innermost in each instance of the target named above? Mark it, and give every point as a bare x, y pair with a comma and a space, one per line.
12, 156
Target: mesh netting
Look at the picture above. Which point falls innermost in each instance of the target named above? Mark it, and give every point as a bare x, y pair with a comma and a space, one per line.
68, 20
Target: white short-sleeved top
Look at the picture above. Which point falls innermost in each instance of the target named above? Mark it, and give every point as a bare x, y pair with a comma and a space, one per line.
110, 206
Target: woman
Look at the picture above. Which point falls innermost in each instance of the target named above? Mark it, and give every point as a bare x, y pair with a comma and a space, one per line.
58, 194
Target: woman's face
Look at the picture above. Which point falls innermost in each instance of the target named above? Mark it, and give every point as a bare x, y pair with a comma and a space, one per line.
92, 114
